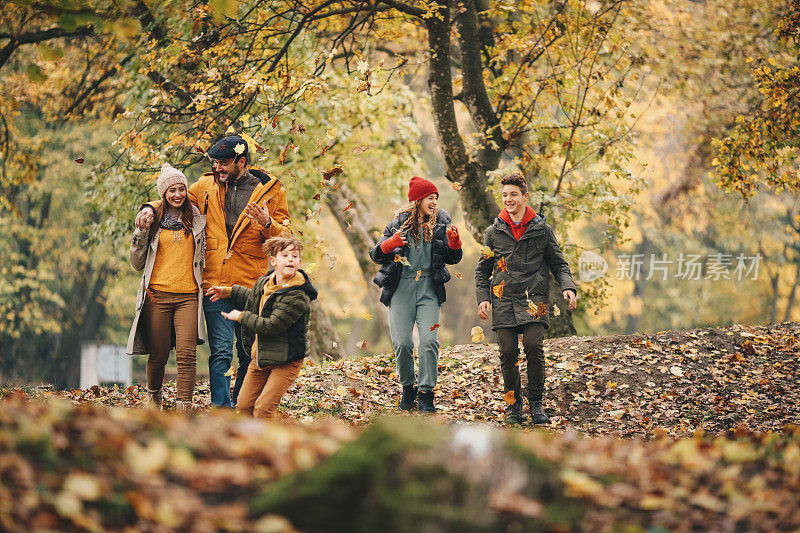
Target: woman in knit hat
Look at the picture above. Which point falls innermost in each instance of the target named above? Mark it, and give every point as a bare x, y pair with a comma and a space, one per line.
413, 252
169, 303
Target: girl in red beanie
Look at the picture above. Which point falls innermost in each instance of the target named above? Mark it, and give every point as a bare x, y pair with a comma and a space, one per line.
415, 247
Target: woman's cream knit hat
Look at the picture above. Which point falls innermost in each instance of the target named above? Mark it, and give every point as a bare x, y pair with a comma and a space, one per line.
169, 176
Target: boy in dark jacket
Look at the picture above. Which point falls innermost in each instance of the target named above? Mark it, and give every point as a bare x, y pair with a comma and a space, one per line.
512, 281
275, 319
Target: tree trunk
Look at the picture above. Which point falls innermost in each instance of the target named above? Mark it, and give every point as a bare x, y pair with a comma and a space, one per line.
89, 309
787, 315
324, 342
773, 311
639, 286
358, 227
479, 205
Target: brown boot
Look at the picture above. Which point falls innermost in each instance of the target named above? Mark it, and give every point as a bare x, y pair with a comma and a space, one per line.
152, 399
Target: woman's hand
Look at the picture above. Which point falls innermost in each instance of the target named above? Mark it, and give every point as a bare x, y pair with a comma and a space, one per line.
395, 241
234, 315
218, 292
453, 238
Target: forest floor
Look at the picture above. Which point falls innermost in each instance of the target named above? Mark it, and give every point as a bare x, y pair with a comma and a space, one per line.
708, 419
710, 379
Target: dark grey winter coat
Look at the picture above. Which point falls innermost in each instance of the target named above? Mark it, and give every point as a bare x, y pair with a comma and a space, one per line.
527, 263
388, 277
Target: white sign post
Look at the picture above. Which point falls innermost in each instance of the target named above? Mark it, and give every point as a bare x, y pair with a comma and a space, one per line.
105, 364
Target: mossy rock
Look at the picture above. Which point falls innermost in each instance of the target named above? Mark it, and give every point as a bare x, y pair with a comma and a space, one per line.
415, 474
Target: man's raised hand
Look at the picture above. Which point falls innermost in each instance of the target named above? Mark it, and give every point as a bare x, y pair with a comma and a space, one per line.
256, 213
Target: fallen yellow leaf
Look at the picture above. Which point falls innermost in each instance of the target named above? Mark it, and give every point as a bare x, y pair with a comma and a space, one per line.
509, 398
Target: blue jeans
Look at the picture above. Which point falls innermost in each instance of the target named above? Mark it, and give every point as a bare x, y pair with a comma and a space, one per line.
220, 341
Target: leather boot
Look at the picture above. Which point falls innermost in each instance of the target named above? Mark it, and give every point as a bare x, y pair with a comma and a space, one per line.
514, 411
409, 400
538, 416
426, 402
152, 398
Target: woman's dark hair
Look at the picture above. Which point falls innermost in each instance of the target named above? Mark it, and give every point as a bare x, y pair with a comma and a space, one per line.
516, 178
186, 216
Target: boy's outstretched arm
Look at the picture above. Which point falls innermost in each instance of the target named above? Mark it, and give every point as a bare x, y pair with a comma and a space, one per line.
285, 313
240, 294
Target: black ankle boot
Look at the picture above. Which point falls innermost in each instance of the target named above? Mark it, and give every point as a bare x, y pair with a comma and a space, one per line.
409, 400
538, 416
514, 411
426, 402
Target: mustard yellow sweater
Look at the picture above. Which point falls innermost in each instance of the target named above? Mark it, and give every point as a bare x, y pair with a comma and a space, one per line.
172, 270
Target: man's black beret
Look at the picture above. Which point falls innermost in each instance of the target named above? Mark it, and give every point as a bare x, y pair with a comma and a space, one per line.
226, 148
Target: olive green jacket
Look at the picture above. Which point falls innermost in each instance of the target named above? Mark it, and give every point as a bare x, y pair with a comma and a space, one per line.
527, 264
281, 325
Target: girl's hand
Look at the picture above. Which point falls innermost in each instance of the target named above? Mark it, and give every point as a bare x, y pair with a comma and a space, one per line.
453, 239
218, 292
395, 241
234, 315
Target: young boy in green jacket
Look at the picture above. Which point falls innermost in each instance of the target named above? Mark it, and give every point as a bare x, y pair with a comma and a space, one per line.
275, 324
512, 281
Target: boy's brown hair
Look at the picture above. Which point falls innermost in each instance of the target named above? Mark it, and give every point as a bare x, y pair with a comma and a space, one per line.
277, 244
516, 178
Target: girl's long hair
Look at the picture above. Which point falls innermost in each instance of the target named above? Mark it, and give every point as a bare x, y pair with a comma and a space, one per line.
187, 216
413, 227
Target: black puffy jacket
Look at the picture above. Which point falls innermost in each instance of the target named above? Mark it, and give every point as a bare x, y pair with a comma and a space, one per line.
388, 277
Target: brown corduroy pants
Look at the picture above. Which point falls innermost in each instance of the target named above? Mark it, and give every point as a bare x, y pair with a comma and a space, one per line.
163, 312
263, 388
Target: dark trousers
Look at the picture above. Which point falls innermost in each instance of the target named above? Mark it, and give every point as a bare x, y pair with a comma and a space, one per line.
532, 343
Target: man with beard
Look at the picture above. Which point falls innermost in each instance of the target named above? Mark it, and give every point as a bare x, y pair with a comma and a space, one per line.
243, 207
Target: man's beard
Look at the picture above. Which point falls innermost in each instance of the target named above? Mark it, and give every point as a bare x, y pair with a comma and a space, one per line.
229, 178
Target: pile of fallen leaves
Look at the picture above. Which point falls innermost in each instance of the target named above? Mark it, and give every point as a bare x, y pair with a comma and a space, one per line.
83, 467
710, 379
741, 481
626, 385
66, 467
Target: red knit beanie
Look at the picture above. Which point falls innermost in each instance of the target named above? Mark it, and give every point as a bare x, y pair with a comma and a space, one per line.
419, 188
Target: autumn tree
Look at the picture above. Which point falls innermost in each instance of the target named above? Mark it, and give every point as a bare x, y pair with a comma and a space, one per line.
763, 147
542, 86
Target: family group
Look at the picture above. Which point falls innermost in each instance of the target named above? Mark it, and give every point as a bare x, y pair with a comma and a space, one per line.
220, 257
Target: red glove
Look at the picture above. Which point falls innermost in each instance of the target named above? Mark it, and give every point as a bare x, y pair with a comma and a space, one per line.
453, 239
395, 241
